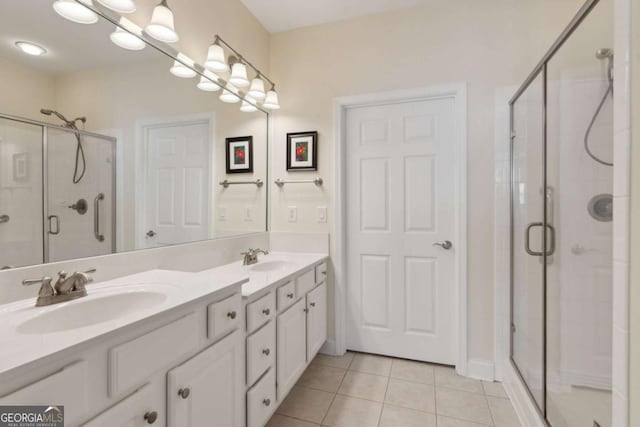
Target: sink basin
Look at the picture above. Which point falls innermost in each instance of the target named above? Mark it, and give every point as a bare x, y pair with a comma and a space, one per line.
267, 266
91, 310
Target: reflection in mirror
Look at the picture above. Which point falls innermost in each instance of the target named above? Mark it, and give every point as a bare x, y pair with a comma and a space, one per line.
108, 144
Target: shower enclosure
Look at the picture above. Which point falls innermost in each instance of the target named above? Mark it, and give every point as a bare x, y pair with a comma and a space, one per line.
561, 236
46, 213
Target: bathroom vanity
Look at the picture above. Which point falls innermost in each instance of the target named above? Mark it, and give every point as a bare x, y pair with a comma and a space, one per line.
219, 347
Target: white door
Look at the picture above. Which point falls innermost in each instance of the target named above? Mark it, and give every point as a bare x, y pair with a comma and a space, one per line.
209, 388
316, 320
177, 184
401, 202
292, 347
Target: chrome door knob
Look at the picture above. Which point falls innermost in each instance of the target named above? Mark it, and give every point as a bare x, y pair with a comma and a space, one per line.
445, 245
151, 417
151, 233
184, 392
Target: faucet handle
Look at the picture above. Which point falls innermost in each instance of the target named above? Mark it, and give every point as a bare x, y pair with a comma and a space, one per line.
46, 290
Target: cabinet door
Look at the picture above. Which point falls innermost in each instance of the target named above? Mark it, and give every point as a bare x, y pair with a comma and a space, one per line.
316, 320
208, 389
142, 408
292, 347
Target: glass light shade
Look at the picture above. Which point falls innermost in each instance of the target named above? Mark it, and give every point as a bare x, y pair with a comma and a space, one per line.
215, 59
73, 11
256, 90
206, 84
239, 75
247, 107
180, 70
120, 6
229, 95
161, 26
125, 39
31, 49
271, 101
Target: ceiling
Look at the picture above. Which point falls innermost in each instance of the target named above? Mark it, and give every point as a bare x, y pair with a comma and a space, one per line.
283, 15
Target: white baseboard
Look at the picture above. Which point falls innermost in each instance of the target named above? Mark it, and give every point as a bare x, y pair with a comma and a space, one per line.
329, 348
522, 404
481, 369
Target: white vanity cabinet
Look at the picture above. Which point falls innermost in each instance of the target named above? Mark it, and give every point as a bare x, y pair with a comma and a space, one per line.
138, 410
208, 388
316, 320
292, 347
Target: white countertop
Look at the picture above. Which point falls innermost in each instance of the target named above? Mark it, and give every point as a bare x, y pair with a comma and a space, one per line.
20, 348
289, 265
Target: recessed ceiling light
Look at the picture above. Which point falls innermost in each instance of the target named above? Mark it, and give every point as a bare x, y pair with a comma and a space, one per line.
31, 49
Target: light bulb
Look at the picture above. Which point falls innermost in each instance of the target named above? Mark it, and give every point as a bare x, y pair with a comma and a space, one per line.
239, 75
120, 6
125, 39
76, 12
271, 100
162, 25
257, 89
215, 59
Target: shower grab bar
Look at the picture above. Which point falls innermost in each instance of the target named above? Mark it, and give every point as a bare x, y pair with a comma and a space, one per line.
317, 181
226, 183
4, 218
96, 217
527, 239
57, 218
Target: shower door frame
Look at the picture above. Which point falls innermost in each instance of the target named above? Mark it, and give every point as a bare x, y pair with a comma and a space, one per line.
540, 69
45, 169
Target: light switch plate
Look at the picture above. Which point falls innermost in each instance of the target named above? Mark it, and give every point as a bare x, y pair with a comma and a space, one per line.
292, 213
222, 213
248, 213
321, 213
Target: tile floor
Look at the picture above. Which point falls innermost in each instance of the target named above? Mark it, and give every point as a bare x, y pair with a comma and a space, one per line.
363, 390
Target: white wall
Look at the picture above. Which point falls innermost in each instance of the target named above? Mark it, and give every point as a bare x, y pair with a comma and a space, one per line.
488, 44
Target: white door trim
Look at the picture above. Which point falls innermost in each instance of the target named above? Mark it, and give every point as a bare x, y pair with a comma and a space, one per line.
141, 128
457, 91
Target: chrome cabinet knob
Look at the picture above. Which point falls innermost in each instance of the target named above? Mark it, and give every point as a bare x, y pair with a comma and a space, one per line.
312, 304
184, 392
151, 417
266, 402
266, 311
290, 295
231, 315
266, 352
151, 233
445, 245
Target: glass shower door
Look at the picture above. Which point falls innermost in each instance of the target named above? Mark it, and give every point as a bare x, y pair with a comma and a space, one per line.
21, 233
528, 345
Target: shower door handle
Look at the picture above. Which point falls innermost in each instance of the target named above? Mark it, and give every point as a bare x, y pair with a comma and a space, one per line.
96, 217
4, 218
57, 230
552, 240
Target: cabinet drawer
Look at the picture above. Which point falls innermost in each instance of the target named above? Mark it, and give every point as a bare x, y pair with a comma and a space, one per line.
261, 311
131, 364
223, 316
305, 282
321, 272
67, 387
261, 352
286, 295
137, 410
261, 400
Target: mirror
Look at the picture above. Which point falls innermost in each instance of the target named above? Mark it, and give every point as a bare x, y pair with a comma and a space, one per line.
103, 149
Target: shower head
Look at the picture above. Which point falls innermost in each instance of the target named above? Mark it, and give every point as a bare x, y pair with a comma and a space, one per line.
68, 123
604, 53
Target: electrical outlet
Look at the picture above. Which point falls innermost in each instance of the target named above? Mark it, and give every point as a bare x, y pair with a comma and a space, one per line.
222, 213
248, 213
292, 213
321, 213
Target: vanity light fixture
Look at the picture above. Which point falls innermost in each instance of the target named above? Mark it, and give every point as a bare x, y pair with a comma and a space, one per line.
179, 69
76, 11
120, 6
256, 91
271, 101
247, 105
31, 48
162, 26
216, 61
229, 94
239, 75
126, 34
206, 82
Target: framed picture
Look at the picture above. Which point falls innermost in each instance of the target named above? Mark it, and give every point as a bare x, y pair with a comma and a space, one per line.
21, 166
240, 154
302, 151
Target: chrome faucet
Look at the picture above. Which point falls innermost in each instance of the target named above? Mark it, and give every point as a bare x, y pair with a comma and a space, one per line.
66, 287
251, 256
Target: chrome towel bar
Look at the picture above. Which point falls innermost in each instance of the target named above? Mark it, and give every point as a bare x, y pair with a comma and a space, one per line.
258, 183
317, 181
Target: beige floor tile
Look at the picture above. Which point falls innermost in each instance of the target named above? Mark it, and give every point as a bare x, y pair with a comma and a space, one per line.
306, 404
446, 377
394, 416
348, 411
413, 371
281, 421
325, 378
364, 386
454, 422
335, 361
411, 395
502, 412
462, 405
371, 364
494, 389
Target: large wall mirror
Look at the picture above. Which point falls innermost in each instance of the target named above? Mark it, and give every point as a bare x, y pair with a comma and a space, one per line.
103, 149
